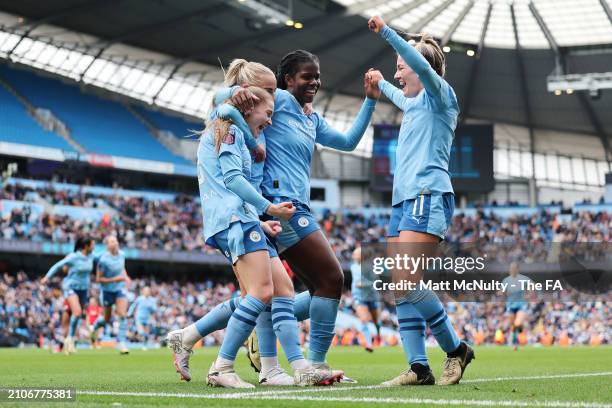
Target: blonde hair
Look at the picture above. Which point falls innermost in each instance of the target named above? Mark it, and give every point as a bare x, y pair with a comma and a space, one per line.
220, 127
429, 48
242, 72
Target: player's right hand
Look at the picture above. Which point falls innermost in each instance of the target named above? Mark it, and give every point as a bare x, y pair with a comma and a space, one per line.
244, 99
376, 23
283, 210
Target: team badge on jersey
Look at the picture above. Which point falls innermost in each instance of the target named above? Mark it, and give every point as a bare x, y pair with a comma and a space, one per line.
309, 123
303, 222
229, 137
255, 236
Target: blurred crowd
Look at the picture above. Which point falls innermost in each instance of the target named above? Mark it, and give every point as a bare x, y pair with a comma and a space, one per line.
177, 225
30, 313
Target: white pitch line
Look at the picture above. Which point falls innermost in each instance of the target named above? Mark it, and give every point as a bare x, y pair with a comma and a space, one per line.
538, 377
404, 401
286, 394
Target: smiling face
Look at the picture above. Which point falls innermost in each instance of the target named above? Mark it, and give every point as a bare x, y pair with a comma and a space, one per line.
261, 116
306, 82
408, 79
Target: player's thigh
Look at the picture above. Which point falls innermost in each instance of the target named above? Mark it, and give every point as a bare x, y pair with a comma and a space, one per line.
75, 304
314, 257
254, 270
283, 286
520, 318
363, 313
121, 306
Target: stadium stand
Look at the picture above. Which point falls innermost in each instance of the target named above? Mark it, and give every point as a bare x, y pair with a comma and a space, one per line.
17, 126
178, 126
98, 125
173, 222
30, 313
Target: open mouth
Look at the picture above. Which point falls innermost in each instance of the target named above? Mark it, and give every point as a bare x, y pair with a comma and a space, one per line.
311, 92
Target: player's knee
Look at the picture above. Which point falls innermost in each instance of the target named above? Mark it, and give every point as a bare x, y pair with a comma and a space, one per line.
264, 291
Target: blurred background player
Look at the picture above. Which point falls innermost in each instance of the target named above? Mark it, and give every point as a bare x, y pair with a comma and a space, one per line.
75, 285
144, 306
366, 300
112, 277
516, 305
93, 312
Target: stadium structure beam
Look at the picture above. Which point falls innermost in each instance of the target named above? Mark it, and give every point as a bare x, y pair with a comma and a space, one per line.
607, 9
361, 31
595, 122
400, 11
350, 76
422, 22
584, 102
65, 12
346, 79
284, 30
453, 27
262, 37
533, 196
465, 109
104, 45
559, 61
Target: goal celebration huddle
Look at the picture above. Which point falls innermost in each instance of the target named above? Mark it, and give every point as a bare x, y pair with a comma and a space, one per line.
253, 171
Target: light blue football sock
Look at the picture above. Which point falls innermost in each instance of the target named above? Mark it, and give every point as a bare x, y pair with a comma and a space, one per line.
217, 318
240, 325
123, 326
302, 306
286, 327
431, 309
265, 333
74, 324
323, 312
412, 332
365, 330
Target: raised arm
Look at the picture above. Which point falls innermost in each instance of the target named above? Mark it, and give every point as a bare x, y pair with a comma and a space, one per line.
223, 94
432, 82
57, 267
348, 141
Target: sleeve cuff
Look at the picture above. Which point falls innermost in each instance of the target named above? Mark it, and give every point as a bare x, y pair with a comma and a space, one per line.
370, 102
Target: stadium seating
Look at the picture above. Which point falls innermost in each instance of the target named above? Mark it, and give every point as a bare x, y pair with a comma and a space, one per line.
99, 125
178, 126
17, 126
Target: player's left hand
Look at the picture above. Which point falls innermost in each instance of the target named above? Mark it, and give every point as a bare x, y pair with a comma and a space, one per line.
370, 83
376, 23
259, 153
271, 228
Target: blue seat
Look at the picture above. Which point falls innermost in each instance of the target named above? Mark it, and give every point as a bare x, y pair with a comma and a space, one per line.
179, 126
99, 125
17, 126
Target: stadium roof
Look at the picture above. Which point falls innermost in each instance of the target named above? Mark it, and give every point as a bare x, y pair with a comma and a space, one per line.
500, 52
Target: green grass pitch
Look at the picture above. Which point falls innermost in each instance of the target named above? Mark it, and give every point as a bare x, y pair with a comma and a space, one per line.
553, 377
